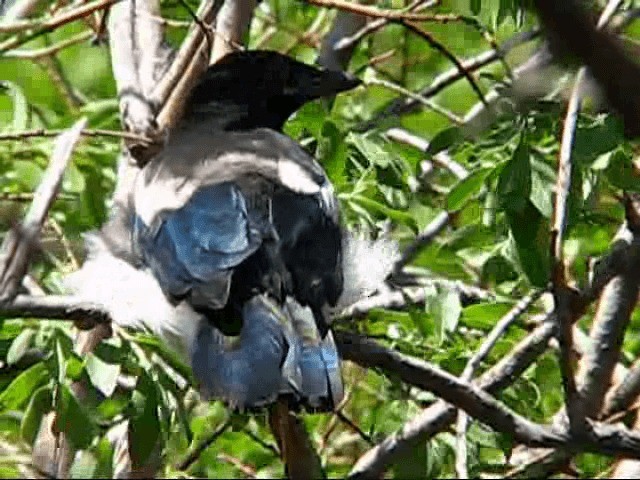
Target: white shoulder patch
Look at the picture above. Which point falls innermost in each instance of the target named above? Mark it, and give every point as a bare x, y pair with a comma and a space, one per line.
155, 197
295, 177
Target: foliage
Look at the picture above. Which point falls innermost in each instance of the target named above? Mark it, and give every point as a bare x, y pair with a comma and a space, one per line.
497, 240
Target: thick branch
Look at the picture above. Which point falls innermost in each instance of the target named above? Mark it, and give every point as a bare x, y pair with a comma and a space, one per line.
232, 24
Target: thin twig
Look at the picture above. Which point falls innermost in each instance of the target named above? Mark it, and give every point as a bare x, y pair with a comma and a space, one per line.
442, 159
48, 25
40, 132
445, 79
352, 425
375, 25
19, 243
206, 442
417, 97
407, 19
51, 49
424, 238
391, 15
188, 51
474, 363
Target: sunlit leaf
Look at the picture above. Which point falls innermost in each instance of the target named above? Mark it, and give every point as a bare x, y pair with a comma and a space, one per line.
39, 405
73, 419
22, 387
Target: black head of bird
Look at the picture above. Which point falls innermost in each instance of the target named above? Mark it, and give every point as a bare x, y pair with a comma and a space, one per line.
262, 88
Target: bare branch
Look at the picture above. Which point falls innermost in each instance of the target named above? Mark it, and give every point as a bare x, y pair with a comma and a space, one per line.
149, 38
391, 15
47, 25
137, 112
418, 98
8, 25
300, 458
50, 50
194, 454
442, 159
18, 244
612, 317
474, 363
624, 395
84, 132
191, 59
63, 307
424, 238
232, 24
344, 25
407, 105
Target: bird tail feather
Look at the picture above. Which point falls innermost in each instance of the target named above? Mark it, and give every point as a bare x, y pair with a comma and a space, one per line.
246, 372
322, 388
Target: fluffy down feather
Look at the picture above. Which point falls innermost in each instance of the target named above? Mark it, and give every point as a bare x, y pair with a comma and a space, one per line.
126, 292
366, 264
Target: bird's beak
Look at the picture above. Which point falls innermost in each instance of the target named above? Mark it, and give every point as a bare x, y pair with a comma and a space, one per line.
332, 82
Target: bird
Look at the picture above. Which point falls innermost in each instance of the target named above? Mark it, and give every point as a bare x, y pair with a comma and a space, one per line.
231, 147
238, 229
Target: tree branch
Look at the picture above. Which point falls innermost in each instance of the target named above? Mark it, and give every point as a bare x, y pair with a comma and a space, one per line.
19, 243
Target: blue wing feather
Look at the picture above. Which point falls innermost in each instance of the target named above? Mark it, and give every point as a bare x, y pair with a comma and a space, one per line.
198, 243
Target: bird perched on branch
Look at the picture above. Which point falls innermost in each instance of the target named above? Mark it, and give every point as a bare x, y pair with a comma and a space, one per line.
238, 228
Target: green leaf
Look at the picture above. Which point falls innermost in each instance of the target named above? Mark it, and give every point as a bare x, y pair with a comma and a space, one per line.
445, 139
20, 390
484, 316
104, 458
74, 367
514, 184
424, 321
309, 118
393, 214
144, 424
103, 375
20, 106
467, 188
73, 181
27, 173
414, 463
101, 113
371, 149
168, 355
110, 353
62, 352
531, 236
74, 420
446, 309
542, 184
332, 152
20, 345
621, 173
601, 136
39, 405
